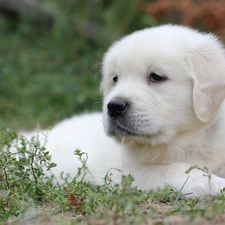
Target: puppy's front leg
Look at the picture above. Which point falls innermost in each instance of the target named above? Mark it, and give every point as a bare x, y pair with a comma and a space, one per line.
195, 183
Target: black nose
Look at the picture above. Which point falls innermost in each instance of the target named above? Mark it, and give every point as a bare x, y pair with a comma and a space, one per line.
117, 107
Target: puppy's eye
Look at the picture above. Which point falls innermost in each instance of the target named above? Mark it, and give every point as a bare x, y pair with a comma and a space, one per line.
115, 79
156, 78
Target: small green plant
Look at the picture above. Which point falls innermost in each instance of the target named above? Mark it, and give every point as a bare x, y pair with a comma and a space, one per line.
83, 170
23, 182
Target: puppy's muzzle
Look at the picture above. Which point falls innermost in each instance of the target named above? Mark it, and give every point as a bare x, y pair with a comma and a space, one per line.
117, 107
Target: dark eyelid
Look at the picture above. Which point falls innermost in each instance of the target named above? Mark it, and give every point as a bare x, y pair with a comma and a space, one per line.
115, 79
156, 78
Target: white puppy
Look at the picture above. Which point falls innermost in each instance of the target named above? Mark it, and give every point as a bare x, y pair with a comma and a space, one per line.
163, 110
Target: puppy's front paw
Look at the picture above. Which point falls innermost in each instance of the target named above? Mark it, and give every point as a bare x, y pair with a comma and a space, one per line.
207, 185
221, 184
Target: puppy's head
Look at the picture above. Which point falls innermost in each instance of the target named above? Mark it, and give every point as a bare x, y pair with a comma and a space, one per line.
162, 82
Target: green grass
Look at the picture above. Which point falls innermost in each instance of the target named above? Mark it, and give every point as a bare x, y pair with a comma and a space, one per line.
28, 196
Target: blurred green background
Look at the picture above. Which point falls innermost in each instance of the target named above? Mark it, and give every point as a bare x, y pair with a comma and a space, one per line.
50, 68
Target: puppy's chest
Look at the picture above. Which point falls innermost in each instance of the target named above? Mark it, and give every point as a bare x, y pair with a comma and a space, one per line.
213, 160
200, 156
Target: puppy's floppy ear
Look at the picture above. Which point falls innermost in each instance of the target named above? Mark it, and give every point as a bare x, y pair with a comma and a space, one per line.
207, 63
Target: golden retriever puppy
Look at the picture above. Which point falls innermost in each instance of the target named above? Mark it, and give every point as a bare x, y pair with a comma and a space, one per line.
163, 114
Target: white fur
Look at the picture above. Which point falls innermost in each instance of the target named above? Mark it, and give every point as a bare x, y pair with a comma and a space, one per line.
84, 133
176, 124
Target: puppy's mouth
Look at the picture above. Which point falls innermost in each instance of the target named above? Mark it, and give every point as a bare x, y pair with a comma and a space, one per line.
117, 128
124, 131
